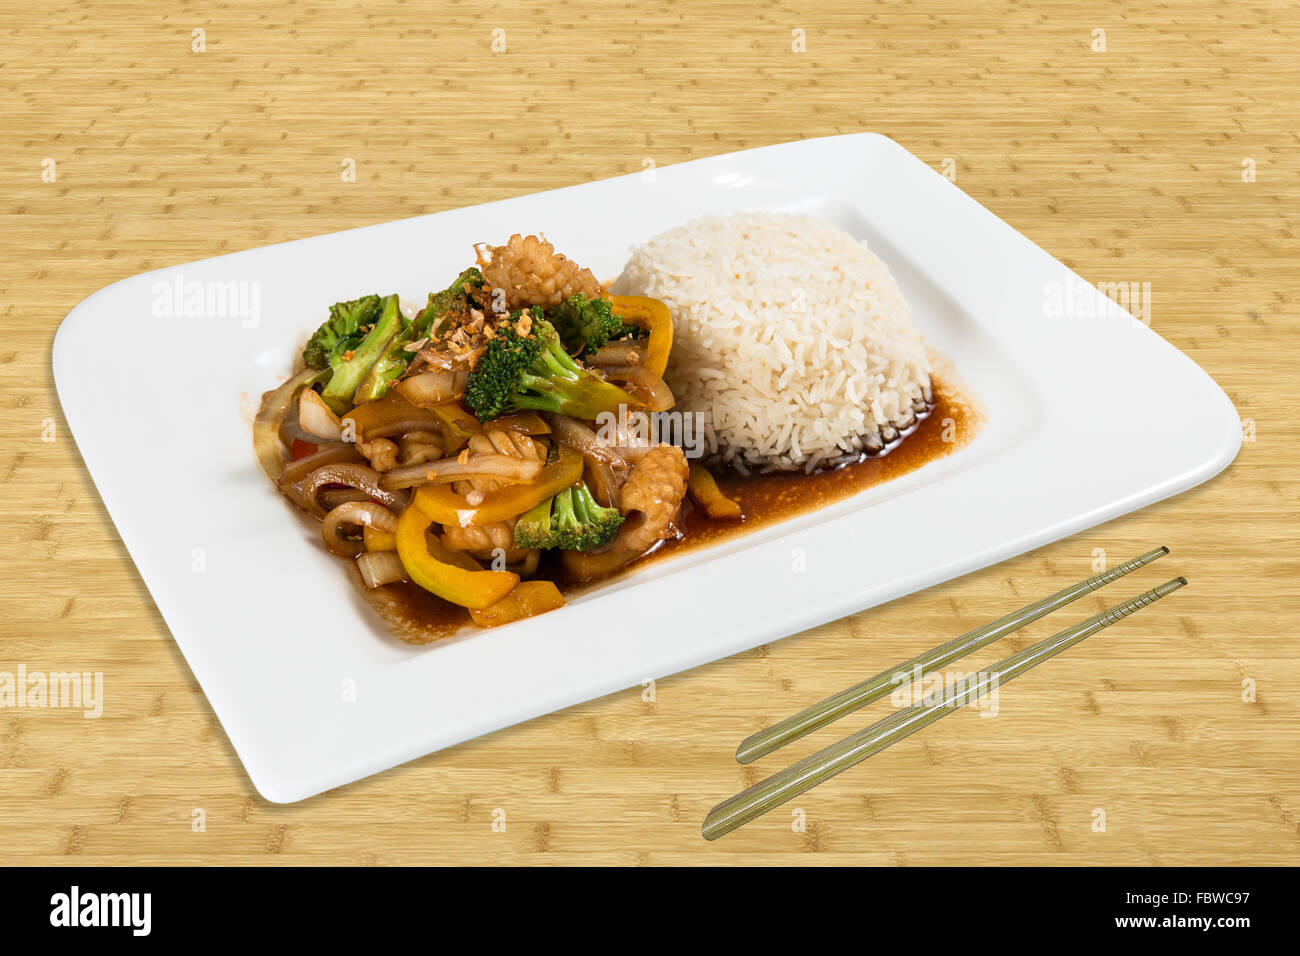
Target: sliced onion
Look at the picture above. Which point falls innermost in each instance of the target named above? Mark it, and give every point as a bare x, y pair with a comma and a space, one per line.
619, 353
504, 468
651, 390
331, 498
331, 454
603, 483
267, 443
433, 388
526, 423
355, 514
380, 567
359, 477
317, 418
576, 435
391, 415
606, 466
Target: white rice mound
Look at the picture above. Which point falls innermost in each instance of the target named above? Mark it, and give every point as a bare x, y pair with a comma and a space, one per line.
789, 334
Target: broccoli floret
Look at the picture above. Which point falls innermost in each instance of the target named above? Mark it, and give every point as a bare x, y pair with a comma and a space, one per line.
352, 365
344, 329
584, 324
441, 309
533, 373
572, 520
533, 529
445, 305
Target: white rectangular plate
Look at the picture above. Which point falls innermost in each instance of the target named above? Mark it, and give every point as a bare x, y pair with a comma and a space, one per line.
1087, 419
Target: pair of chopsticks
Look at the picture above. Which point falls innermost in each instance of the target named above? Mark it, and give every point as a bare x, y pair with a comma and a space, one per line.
826, 763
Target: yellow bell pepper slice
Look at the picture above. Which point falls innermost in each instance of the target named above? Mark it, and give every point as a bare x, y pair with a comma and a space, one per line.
378, 540
529, 598
458, 425
704, 489
445, 506
471, 589
653, 316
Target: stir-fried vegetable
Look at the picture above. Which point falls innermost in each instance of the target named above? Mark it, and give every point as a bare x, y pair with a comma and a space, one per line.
267, 443
572, 519
486, 417
653, 316
525, 367
316, 418
585, 325
344, 329
704, 489
355, 514
445, 506
528, 599
472, 589
379, 568
442, 309
503, 468
351, 365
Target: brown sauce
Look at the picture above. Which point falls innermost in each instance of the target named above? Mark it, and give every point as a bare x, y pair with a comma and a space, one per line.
419, 617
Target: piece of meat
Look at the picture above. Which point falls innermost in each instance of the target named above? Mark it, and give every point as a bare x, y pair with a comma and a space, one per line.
381, 452
498, 441
483, 541
651, 497
530, 272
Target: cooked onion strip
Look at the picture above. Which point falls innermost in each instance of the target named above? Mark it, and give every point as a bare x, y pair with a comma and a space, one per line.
331, 498
602, 481
501, 468
359, 477
391, 415
380, 567
433, 388
317, 418
355, 514
619, 353
526, 423
647, 387
606, 467
578, 436
267, 443
331, 454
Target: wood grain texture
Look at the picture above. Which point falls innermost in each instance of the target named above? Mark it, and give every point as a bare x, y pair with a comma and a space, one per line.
1126, 164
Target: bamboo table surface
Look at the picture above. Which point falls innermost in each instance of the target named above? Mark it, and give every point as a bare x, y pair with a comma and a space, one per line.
1170, 157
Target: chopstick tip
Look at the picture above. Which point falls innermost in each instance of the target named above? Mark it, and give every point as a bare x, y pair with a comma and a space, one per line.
710, 829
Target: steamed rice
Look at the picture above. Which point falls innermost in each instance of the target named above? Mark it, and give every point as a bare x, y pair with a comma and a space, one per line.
790, 335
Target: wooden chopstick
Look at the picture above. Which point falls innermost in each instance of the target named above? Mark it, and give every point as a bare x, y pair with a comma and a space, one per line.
873, 688
826, 763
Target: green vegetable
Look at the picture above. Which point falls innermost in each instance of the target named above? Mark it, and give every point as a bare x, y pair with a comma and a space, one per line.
584, 324
572, 520
440, 310
349, 371
519, 374
344, 329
